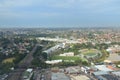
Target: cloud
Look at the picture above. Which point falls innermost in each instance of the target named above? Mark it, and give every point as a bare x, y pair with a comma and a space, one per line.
69, 10
55, 3
14, 3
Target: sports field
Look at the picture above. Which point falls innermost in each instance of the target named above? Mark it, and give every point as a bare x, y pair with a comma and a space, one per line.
90, 52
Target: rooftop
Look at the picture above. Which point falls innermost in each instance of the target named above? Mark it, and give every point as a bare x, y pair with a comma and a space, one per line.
29, 70
102, 68
79, 77
117, 73
59, 76
98, 73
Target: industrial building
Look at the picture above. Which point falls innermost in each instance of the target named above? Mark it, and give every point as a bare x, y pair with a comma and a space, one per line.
59, 76
54, 48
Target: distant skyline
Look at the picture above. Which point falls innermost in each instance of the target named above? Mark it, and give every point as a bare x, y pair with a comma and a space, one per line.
59, 13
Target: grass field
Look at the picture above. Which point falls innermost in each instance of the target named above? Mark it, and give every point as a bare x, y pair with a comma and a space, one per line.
69, 58
10, 60
66, 58
91, 52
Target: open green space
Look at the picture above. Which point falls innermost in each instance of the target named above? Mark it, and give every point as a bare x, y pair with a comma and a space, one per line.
66, 58
70, 60
90, 52
8, 60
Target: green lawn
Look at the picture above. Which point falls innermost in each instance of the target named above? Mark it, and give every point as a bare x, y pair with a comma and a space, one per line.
66, 58
9, 60
90, 52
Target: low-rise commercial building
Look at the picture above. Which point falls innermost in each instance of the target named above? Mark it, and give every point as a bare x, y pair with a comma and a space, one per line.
67, 54
59, 76
27, 74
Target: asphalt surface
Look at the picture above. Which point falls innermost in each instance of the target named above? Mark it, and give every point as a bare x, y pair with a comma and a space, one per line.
22, 66
26, 62
15, 75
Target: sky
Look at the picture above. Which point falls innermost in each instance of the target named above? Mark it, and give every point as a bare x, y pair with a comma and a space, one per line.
59, 13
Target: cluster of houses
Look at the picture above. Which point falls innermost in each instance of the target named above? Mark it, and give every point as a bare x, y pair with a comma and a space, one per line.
12, 48
95, 72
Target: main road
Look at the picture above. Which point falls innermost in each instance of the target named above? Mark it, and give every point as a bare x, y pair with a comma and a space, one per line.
26, 62
22, 66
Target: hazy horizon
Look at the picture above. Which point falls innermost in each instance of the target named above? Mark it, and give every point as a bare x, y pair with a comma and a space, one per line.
57, 14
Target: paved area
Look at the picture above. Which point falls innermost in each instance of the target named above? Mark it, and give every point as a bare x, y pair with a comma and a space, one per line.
16, 75
114, 57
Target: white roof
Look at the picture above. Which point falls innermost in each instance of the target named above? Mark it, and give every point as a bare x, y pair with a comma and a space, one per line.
107, 61
98, 73
53, 61
102, 68
29, 70
116, 73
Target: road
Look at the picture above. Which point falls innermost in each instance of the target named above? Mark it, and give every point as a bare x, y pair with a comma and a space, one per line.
26, 62
22, 66
44, 74
16, 74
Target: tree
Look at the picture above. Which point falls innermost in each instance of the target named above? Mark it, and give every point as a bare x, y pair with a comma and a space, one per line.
44, 55
36, 62
5, 67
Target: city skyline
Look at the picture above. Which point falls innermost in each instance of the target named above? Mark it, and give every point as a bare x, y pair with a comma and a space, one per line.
63, 13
